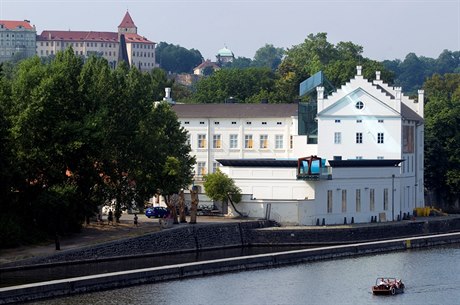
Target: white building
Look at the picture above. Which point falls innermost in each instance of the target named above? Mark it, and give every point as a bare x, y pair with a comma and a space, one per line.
241, 131
140, 50
371, 120
17, 40
370, 134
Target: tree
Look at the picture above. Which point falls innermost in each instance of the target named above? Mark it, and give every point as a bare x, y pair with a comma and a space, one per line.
177, 59
219, 187
241, 84
239, 63
442, 137
164, 152
338, 62
268, 56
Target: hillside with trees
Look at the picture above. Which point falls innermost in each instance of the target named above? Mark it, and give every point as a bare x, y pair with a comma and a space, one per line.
413, 71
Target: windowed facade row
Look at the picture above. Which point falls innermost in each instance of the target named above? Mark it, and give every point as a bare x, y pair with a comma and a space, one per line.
233, 141
234, 123
358, 200
202, 170
78, 44
357, 121
358, 138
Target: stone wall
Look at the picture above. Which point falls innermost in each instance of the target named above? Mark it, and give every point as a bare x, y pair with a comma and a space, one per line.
348, 234
177, 239
249, 233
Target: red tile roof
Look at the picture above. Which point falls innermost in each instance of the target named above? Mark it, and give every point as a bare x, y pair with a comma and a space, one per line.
207, 63
78, 36
11, 24
129, 37
127, 22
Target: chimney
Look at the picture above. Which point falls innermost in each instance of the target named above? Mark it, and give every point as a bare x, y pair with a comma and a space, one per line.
359, 70
377, 75
421, 103
398, 96
167, 97
320, 98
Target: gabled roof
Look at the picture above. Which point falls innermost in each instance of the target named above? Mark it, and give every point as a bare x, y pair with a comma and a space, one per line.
12, 24
207, 63
352, 96
235, 110
127, 21
379, 91
410, 114
136, 38
78, 36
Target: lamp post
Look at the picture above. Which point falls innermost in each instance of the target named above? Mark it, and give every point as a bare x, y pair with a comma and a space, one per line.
393, 197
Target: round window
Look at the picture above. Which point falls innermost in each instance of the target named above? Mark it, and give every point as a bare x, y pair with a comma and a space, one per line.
359, 105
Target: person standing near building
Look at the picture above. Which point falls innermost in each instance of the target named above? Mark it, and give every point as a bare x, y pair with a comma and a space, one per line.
110, 217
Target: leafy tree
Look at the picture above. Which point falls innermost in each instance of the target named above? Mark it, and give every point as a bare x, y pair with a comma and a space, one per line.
218, 186
177, 59
268, 56
412, 72
442, 137
239, 63
172, 163
238, 83
338, 62
77, 133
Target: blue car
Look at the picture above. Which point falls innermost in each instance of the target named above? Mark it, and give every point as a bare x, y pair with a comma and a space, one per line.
157, 212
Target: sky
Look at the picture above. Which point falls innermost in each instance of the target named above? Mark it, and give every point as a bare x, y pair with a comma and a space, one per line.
386, 29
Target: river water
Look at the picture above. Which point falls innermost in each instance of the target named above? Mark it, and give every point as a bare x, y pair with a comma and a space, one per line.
432, 276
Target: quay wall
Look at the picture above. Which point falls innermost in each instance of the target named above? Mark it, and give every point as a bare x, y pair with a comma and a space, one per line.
114, 280
208, 236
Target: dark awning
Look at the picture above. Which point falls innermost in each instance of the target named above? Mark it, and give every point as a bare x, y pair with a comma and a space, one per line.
365, 163
259, 162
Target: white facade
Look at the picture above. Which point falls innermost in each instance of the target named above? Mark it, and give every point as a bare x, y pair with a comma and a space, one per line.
353, 194
241, 131
370, 120
17, 40
370, 134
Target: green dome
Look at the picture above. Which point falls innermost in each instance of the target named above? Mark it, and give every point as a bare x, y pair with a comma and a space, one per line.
225, 52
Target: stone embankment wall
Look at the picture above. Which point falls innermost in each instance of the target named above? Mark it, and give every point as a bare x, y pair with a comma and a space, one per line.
247, 233
177, 239
350, 234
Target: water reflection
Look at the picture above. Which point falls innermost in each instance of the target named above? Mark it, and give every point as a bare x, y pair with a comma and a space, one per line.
431, 277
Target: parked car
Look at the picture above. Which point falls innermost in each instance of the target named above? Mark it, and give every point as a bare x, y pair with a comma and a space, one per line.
157, 212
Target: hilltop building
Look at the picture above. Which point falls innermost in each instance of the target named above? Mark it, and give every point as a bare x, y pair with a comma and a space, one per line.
205, 65
224, 56
125, 44
366, 163
17, 40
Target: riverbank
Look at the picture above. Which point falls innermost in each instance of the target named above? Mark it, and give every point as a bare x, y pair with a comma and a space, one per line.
114, 280
219, 232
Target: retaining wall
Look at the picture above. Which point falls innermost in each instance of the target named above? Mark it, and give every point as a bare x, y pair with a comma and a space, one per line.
177, 239
347, 234
150, 275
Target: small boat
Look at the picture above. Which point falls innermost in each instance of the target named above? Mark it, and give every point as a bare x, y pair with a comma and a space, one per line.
388, 285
